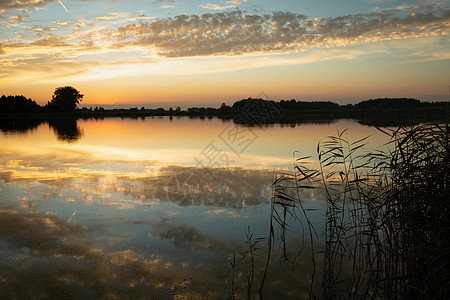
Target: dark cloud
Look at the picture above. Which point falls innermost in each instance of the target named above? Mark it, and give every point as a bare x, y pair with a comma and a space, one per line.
233, 32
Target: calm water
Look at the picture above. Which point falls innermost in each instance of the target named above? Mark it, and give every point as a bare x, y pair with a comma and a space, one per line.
150, 208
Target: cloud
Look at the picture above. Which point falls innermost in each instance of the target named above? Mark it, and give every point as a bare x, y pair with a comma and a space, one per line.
235, 33
38, 30
64, 23
123, 17
236, 2
52, 40
215, 6
12, 4
241, 40
160, 3
229, 33
113, 15
19, 18
229, 4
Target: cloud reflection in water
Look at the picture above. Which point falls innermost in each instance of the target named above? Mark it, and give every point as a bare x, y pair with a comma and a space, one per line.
43, 256
187, 186
58, 258
78, 222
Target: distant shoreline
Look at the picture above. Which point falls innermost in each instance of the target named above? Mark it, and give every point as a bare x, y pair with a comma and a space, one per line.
371, 118
258, 111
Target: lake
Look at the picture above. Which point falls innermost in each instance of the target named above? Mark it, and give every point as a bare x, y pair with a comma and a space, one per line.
153, 207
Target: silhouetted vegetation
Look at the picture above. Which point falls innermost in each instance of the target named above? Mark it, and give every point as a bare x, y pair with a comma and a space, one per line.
307, 105
389, 103
387, 215
387, 218
64, 99
18, 104
250, 111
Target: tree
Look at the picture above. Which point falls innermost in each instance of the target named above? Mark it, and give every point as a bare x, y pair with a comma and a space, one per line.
224, 107
65, 99
20, 104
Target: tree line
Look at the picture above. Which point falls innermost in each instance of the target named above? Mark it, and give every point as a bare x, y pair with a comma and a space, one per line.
66, 99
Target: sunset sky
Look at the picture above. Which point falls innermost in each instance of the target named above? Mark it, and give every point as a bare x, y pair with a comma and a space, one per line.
209, 52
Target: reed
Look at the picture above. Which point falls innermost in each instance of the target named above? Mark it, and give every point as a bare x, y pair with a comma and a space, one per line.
387, 216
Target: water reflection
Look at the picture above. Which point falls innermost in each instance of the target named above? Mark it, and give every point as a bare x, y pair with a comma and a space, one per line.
56, 259
221, 187
66, 130
99, 236
185, 186
119, 215
187, 237
18, 126
51, 258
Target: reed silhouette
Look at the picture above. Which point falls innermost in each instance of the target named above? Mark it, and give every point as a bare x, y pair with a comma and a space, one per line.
387, 218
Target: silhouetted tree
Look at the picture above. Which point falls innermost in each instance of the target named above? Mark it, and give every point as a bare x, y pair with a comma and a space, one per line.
65, 99
389, 103
12, 104
224, 107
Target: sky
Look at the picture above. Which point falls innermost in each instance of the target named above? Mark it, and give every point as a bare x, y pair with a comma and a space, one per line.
208, 52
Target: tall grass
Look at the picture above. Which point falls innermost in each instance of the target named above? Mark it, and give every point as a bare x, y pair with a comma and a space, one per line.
387, 216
